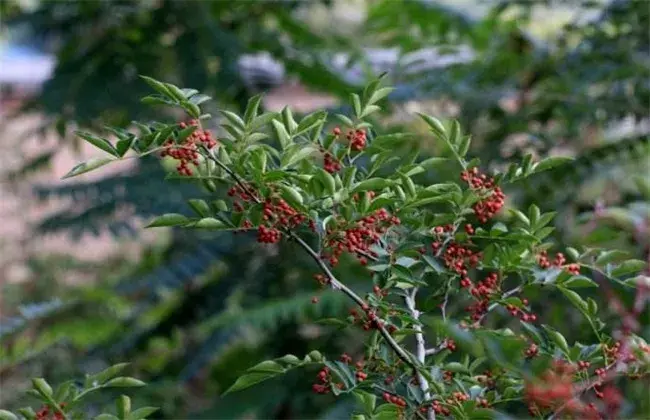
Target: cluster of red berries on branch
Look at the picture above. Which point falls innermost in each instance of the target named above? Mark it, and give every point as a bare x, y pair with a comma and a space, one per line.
356, 138
492, 197
515, 311
322, 381
438, 408
330, 164
487, 379
44, 413
531, 351
370, 320
555, 391
358, 238
394, 399
277, 214
544, 262
188, 151
456, 257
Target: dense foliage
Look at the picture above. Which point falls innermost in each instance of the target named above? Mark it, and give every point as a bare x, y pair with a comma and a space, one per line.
430, 249
193, 315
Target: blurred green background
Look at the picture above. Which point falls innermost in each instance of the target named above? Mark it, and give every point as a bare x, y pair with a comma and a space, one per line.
83, 285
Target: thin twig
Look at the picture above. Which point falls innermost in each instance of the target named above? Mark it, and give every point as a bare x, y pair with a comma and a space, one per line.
420, 348
337, 285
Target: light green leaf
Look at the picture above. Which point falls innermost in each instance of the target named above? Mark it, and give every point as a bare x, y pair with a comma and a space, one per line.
551, 162
142, 413
87, 166
124, 382
7, 415
169, 219
372, 184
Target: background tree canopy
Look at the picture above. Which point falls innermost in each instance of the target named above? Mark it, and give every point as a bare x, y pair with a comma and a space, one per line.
196, 310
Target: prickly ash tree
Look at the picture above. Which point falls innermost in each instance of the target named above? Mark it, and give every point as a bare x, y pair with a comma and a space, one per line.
439, 263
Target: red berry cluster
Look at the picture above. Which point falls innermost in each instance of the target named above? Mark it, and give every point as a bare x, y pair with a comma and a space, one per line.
447, 375
544, 262
44, 413
439, 409
277, 215
379, 292
246, 195
515, 311
458, 396
583, 365
330, 164
556, 390
493, 198
357, 139
394, 399
324, 378
187, 152
321, 279
531, 351
482, 402
457, 257
358, 238
450, 345
487, 379
482, 293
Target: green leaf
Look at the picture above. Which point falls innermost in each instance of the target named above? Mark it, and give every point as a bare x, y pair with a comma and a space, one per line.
558, 339
175, 92
463, 147
551, 162
7, 415
408, 185
519, 215
123, 406
287, 118
432, 162
124, 382
209, 223
267, 366
611, 256
292, 195
386, 412
327, 180
251, 108
379, 94
87, 166
199, 99
200, 207
281, 133
366, 400
106, 416
436, 126
142, 413
629, 266
371, 184
456, 367
106, 374
575, 299
169, 219
356, 104
234, 119
577, 282
42, 387
156, 85
98, 142
123, 146
310, 121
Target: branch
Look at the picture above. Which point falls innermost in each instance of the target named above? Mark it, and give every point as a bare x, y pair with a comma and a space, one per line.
435, 350
336, 284
420, 349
